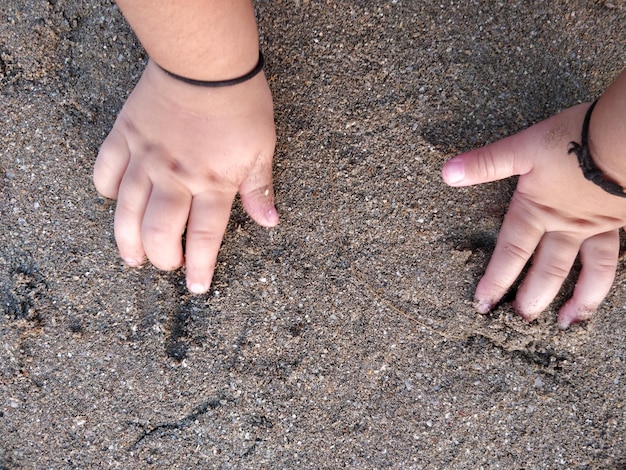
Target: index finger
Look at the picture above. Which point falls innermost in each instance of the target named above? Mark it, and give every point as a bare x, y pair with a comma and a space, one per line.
208, 219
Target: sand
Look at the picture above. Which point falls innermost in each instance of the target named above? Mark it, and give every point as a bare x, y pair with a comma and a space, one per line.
345, 337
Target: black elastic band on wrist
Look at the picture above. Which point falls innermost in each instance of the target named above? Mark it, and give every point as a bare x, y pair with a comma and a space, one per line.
221, 83
585, 160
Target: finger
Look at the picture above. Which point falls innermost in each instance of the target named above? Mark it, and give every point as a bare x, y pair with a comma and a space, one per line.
134, 192
164, 224
111, 164
499, 160
552, 263
598, 255
257, 193
207, 223
518, 238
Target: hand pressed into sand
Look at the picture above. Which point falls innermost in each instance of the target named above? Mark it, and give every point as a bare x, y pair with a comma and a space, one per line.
554, 215
176, 158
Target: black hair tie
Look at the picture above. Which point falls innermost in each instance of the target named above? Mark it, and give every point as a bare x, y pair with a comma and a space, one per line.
216, 84
585, 160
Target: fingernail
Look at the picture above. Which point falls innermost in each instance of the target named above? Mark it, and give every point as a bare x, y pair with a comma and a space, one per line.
272, 215
482, 307
525, 315
198, 288
571, 313
453, 172
132, 262
564, 323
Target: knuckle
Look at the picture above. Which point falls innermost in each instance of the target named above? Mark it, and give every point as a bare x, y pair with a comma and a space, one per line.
263, 194
557, 269
516, 252
604, 260
486, 164
156, 234
203, 234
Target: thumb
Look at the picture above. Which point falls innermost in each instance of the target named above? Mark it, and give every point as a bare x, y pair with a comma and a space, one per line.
493, 162
257, 193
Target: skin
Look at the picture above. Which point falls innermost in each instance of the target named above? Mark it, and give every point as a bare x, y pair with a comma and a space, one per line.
200, 39
178, 154
555, 213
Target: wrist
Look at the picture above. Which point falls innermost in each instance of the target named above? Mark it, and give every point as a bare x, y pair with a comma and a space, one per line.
207, 40
220, 83
607, 132
216, 67
205, 101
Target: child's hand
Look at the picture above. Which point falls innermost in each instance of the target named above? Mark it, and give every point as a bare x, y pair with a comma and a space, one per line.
555, 213
175, 159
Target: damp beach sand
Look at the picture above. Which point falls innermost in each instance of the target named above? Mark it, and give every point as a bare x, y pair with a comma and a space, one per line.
345, 337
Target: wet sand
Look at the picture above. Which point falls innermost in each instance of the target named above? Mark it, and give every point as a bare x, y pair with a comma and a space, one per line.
345, 337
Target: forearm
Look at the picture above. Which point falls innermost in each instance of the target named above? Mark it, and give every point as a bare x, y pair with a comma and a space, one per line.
199, 39
607, 131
